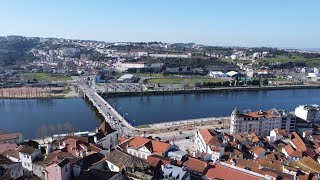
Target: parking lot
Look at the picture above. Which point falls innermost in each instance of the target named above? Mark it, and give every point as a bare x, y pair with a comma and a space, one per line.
121, 87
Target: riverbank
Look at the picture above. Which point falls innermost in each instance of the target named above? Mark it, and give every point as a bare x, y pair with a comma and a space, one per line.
207, 90
36, 92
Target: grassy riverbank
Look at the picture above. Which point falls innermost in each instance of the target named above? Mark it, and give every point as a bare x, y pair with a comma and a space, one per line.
45, 76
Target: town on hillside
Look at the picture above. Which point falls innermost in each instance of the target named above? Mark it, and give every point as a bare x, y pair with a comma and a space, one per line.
52, 67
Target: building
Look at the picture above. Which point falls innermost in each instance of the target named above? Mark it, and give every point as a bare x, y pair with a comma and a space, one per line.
12, 138
217, 74
61, 170
78, 147
97, 174
308, 113
118, 161
288, 120
257, 152
210, 142
170, 55
14, 169
28, 155
127, 78
143, 147
174, 172
105, 136
259, 122
58, 165
226, 171
264, 73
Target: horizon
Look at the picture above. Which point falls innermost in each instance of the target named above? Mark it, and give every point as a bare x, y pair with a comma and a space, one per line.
288, 48
285, 24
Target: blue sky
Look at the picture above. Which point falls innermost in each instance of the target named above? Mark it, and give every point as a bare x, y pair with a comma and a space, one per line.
276, 23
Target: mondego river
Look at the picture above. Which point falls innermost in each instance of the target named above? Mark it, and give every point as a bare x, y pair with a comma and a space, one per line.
160, 108
28, 115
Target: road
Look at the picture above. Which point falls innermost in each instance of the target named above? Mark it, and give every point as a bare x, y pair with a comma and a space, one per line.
107, 111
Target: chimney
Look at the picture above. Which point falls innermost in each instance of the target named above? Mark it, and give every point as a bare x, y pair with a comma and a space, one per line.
193, 154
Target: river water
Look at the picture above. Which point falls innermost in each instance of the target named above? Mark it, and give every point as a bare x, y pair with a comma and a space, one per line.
27, 115
160, 108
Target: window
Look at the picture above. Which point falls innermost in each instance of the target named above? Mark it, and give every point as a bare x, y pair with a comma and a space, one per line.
111, 166
25, 164
28, 164
66, 168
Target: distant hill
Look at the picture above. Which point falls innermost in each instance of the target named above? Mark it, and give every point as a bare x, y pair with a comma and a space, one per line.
14, 50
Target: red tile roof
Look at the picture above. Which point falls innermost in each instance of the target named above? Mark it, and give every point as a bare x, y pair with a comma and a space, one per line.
224, 172
291, 152
153, 145
257, 150
9, 136
209, 136
7, 146
259, 114
298, 142
156, 160
194, 164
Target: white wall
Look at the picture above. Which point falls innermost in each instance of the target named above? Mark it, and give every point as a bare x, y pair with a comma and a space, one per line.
26, 161
142, 152
108, 140
113, 167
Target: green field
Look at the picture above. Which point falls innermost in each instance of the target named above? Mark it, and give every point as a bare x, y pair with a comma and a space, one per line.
285, 59
182, 80
160, 75
45, 76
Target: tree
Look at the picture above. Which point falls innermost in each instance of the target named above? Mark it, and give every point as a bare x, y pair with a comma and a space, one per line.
68, 128
198, 84
226, 83
265, 82
42, 132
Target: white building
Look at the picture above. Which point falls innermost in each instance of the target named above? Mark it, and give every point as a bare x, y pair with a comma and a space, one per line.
259, 122
27, 155
171, 55
256, 55
210, 142
143, 147
127, 78
105, 136
274, 135
308, 113
217, 74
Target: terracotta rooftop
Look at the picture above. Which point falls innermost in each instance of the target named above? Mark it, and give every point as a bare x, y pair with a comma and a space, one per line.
9, 136
224, 172
27, 150
291, 152
298, 142
153, 145
210, 136
257, 150
156, 160
194, 164
259, 114
7, 146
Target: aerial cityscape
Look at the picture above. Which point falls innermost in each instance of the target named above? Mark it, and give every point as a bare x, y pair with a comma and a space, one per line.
161, 90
